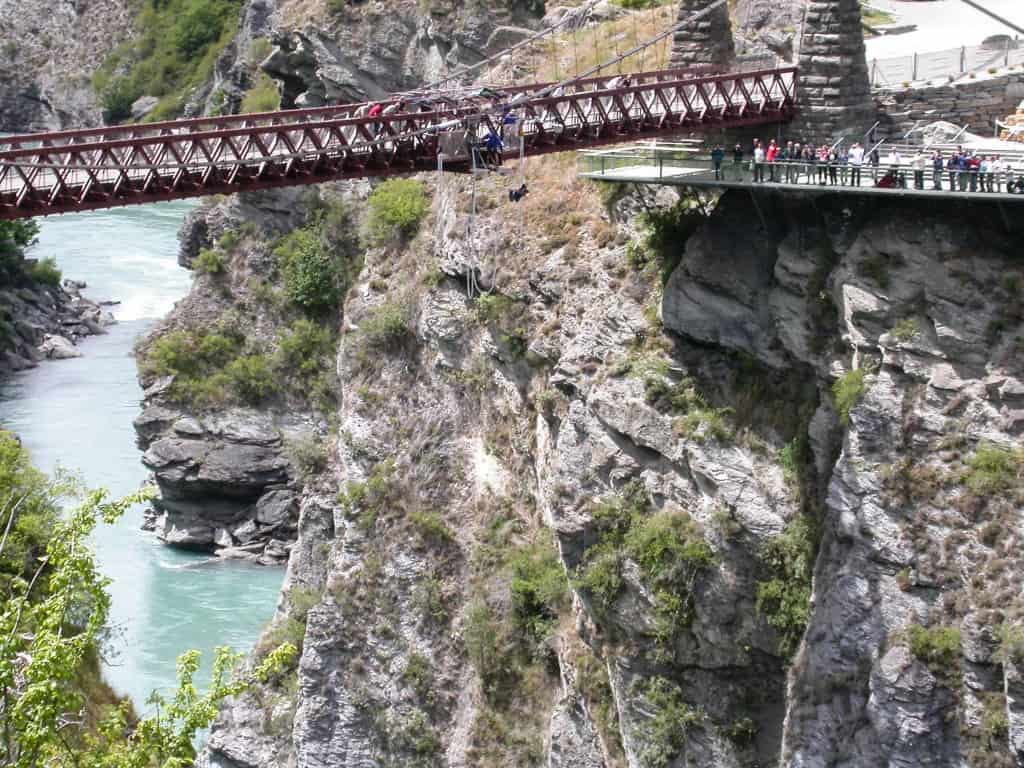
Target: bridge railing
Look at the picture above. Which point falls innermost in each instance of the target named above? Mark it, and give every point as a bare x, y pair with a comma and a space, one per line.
445, 100
170, 163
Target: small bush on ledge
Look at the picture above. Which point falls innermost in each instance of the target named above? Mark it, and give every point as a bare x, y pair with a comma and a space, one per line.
847, 391
396, 208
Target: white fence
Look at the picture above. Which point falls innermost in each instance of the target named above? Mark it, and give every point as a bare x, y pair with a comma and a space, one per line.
953, 62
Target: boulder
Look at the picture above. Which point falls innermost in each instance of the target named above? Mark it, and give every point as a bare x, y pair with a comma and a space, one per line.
142, 106
56, 347
276, 507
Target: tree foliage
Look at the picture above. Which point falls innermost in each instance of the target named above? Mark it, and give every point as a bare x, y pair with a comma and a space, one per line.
15, 237
173, 51
56, 606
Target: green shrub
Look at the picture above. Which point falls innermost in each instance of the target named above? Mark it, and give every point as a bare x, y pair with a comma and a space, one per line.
846, 391
369, 500
671, 551
292, 629
34, 514
665, 731
539, 588
938, 647
396, 208
305, 347
387, 327
601, 578
209, 262
666, 233
210, 368
483, 637
668, 547
308, 455
252, 377
1011, 644
310, 274
993, 470
905, 329
263, 96
418, 676
430, 527
172, 52
792, 458
46, 272
259, 49
229, 240
785, 599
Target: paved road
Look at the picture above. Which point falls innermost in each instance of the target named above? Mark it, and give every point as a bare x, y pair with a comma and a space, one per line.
941, 24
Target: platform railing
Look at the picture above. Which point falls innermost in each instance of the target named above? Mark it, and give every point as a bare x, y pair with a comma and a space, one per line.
680, 162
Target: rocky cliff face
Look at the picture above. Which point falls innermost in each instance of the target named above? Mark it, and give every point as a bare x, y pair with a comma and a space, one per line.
49, 51
366, 51
230, 430
784, 487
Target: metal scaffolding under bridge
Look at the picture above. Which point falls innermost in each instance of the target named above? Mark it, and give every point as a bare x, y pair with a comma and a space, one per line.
82, 170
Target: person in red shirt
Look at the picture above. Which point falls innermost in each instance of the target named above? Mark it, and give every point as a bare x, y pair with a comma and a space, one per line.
375, 111
974, 166
769, 157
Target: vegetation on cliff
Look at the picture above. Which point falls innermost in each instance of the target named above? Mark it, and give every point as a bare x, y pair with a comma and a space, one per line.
172, 52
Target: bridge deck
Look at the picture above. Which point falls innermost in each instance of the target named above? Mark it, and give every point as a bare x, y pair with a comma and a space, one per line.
681, 166
104, 168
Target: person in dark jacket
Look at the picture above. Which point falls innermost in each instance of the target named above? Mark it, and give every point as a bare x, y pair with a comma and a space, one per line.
937, 165
494, 146
717, 156
737, 161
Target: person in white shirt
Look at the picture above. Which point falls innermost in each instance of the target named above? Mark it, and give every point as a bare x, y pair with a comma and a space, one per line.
856, 161
758, 161
918, 164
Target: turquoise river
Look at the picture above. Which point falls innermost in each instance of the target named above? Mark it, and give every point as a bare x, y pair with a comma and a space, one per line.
78, 414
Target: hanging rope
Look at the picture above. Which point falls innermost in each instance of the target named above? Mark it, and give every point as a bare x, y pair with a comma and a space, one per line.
575, 53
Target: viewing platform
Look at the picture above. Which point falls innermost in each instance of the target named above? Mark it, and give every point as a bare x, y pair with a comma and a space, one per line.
688, 164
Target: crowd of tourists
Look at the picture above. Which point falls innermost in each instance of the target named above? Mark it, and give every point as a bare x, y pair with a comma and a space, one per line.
795, 163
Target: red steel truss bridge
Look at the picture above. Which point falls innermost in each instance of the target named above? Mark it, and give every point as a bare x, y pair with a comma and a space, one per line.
81, 170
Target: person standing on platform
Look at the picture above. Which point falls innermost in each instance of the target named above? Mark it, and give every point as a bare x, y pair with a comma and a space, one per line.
770, 157
938, 164
737, 161
918, 164
974, 169
717, 155
856, 161
758, 161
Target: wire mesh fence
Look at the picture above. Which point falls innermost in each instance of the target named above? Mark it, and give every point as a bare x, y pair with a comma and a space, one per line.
953, 62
